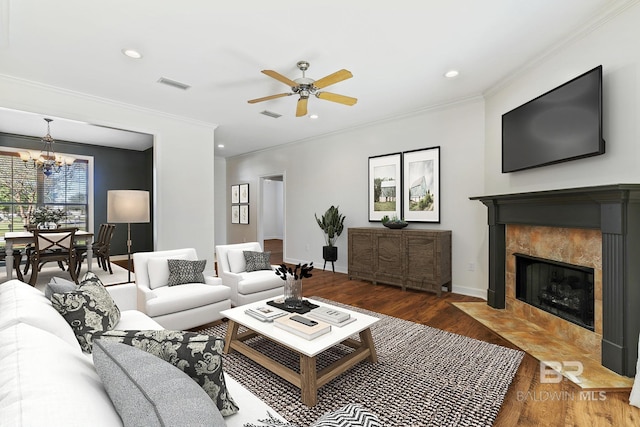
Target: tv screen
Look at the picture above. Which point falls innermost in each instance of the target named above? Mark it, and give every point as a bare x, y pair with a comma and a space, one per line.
560, 125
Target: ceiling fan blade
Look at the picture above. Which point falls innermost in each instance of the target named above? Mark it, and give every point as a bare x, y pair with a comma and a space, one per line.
334, 97
334, 78
280, 78
266, 98
301, 109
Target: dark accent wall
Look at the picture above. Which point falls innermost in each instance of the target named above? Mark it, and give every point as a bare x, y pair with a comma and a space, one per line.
113, 169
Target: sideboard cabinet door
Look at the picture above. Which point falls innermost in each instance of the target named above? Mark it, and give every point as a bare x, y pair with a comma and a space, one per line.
360, 253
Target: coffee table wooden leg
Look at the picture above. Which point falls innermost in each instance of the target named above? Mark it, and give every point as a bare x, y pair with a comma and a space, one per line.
308, 380
367, 341
232, 333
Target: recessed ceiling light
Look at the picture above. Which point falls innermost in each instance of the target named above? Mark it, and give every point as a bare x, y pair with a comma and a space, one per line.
313, 116
451, 74
132, 53
220, 145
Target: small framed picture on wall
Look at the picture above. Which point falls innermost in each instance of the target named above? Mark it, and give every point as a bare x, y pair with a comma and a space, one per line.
244, 193
244, 214
235, 214
235, 194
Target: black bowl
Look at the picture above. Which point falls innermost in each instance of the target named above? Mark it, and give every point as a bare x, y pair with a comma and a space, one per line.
395, 225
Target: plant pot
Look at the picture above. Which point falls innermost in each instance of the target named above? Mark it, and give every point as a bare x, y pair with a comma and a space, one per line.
330, 253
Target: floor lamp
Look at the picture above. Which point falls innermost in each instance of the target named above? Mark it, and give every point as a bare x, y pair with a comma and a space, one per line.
130, 206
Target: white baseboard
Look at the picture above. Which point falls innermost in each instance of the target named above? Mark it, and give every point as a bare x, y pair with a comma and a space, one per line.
472, 292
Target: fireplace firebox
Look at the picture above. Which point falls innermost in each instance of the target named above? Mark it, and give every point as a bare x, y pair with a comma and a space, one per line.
564, 290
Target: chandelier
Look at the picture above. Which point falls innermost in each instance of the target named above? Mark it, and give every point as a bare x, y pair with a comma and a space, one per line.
47, 159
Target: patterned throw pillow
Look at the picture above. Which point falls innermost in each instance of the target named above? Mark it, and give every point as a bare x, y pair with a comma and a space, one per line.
88, 309
198, 355
257, 260
351, 415
184, 271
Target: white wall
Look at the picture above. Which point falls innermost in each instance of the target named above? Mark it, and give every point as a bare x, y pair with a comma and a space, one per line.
615, 46
184, 184
333, 170
221, 206
273, 209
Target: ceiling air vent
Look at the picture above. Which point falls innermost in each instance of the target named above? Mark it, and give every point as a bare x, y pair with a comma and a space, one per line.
173, 83
270, 114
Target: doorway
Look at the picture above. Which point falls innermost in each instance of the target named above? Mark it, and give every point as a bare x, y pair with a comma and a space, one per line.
271, 230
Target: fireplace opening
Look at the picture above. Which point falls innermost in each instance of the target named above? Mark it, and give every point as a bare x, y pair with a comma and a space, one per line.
564, 290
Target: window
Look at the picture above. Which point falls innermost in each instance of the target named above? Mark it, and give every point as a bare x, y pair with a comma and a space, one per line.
23, 189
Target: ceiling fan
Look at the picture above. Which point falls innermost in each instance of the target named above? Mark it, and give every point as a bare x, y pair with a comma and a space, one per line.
305, 87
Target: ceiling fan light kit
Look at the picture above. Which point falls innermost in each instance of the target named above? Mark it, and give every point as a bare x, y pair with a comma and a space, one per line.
305, 87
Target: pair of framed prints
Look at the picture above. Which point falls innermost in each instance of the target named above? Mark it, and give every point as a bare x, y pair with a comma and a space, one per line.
405, 185
240, 204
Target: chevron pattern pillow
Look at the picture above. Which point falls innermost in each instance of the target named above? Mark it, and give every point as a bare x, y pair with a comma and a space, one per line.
352, 415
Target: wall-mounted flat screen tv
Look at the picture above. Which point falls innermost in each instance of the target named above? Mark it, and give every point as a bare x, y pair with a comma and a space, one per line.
561, 125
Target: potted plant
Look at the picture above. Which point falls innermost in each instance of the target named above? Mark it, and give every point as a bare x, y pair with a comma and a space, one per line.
47, 217
332, 224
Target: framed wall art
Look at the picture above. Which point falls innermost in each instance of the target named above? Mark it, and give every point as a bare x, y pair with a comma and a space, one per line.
244, 214
235, 214
244, 193
235, 194
421, 185
385, 175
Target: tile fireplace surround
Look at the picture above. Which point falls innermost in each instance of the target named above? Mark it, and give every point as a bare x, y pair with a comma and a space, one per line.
608, 214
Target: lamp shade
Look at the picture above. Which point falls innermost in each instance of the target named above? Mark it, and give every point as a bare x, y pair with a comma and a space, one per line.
127, 206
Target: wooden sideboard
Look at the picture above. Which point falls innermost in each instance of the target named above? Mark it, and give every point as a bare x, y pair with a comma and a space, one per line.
415, 259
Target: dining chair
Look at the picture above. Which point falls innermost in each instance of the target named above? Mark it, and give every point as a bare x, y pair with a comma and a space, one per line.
81, 250
103, 251
53, 245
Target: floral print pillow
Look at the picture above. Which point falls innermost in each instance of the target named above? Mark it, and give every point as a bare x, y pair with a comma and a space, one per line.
88, 309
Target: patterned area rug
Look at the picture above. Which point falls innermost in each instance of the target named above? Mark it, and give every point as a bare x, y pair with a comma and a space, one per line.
425, 377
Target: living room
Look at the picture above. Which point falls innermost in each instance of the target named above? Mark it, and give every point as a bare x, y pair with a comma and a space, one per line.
332, 169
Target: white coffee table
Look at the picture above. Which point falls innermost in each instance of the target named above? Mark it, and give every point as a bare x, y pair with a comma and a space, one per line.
309, 379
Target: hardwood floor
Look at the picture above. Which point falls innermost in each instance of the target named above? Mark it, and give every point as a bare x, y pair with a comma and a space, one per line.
528, 402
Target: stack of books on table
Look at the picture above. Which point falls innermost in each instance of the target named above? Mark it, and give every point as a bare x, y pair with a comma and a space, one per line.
310, 329
331, 315
265, 313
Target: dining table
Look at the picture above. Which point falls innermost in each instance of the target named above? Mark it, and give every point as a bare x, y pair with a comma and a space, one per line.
12, 238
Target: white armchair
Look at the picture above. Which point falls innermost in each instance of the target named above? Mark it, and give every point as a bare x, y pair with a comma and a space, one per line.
246, 286
182, 306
